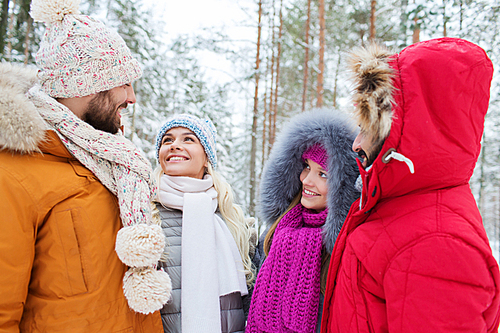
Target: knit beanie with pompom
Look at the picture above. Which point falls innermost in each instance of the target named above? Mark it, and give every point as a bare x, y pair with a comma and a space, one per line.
78, 55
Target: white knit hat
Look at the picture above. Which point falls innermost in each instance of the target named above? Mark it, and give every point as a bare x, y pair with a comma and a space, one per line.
79, 55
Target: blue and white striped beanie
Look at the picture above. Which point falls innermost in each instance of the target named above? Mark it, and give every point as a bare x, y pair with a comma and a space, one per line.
204, 130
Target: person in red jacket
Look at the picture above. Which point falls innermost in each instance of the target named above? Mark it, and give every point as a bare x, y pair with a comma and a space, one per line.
413, 255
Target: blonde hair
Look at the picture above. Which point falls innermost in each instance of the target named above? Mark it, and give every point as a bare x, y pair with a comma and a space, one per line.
239, 226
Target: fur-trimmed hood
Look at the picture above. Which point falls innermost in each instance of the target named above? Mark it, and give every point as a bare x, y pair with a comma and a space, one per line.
280, 181
428, 102
416, 247
21, 127
373, 90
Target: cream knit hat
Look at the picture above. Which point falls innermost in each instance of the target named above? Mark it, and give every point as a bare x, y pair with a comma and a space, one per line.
79, 55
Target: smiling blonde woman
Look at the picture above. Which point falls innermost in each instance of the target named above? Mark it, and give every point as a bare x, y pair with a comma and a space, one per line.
208, 238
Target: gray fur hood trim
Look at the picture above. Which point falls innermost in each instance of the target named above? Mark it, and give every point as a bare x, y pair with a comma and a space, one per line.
280, 179
21, 127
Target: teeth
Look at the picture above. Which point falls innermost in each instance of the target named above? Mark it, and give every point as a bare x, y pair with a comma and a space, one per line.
175, 158
309, 192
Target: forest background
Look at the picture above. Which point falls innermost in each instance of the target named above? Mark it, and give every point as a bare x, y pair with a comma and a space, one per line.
279, 58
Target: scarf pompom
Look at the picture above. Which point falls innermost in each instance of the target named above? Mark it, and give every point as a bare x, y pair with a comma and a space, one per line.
146, 289
140, 245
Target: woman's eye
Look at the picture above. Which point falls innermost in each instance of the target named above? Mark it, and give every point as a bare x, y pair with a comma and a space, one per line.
323, 175
189, 139
166, 140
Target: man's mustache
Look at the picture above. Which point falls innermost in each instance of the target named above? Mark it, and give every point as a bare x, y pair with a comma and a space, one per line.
362, 154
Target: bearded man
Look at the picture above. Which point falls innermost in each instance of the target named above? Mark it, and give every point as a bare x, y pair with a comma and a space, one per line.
69, 180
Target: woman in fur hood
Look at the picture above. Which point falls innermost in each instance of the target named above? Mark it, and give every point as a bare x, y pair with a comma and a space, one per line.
306, 190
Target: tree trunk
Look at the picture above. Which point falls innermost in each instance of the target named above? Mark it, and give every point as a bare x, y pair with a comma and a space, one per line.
264, 117
337, 70
271, 94
27, 40
480, 201
495, 217
461, 14
3, 24
403, 22
416, 29
253, 151
306, 56
264, 129
321, 64
444, 18
9, 34
372, 20
275, 110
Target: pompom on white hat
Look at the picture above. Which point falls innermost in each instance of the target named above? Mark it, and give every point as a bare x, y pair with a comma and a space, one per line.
79, 55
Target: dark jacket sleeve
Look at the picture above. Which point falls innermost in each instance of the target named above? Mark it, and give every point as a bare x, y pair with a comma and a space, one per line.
260, 256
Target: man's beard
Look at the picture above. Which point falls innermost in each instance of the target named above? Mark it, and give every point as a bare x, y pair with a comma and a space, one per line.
102, 114
372, 154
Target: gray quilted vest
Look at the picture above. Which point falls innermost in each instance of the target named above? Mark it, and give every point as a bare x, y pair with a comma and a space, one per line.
232, 316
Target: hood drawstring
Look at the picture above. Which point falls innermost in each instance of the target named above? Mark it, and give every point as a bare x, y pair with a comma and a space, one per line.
359, 186
400, 157
393, 154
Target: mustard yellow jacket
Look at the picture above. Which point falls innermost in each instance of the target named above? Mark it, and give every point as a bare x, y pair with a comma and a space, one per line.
59, 271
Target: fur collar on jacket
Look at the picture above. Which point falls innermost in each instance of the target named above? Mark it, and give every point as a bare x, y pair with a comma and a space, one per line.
21, 127
280, 179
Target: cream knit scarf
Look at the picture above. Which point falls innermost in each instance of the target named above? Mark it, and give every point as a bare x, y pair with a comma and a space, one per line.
119, 166
211, 264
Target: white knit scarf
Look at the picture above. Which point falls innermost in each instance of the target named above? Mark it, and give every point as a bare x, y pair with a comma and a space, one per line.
120, 167
210, 259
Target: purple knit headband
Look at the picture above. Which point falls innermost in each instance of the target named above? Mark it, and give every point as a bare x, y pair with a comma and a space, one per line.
317, 154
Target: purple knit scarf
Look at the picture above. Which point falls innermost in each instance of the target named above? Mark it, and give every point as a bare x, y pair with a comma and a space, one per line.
286, 295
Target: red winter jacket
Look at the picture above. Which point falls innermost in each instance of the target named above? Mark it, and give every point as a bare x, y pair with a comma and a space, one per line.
414, 256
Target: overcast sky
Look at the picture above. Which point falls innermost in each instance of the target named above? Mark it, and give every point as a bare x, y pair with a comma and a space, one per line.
188, 16
238, 17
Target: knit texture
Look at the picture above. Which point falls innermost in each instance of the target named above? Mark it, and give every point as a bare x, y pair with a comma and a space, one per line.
204, 130
316, 154
119, 166
78, 55
286, 295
